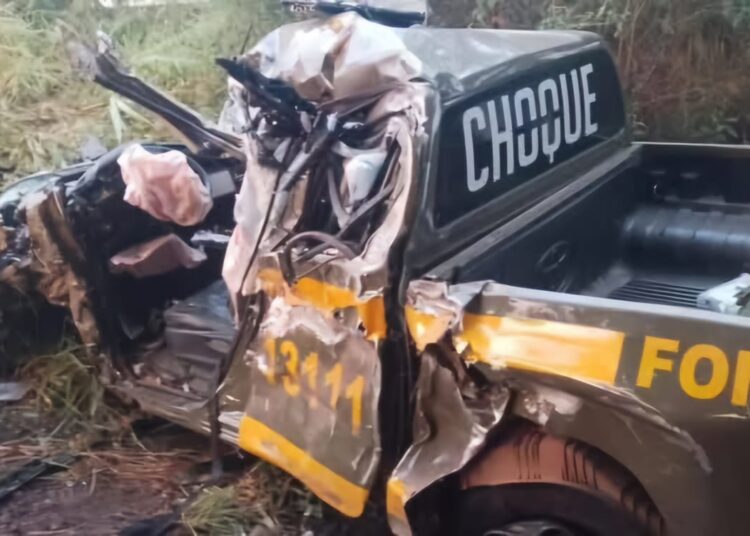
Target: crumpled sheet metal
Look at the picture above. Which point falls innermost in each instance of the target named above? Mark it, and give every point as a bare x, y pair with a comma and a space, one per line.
398, 110
366, 274
568, 361
510, 339
336, 313
158, 256
501, 334
313, 404
314, 369
451, 424
339, 57
164, 185
51, 269
250, 208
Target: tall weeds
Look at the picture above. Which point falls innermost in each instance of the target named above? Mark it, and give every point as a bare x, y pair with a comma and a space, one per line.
683, 62
47, 111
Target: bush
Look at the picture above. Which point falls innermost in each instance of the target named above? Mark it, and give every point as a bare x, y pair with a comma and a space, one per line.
682, 62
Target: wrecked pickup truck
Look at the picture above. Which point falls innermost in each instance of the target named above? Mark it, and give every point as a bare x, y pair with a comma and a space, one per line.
448, 284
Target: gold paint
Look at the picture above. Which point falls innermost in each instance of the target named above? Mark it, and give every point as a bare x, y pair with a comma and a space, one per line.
719, 372
258, 439
327, 298
741, 380
395, 499
426, 328
651, 361
546, 346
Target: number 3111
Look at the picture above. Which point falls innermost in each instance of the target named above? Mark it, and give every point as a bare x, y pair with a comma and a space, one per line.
308, 372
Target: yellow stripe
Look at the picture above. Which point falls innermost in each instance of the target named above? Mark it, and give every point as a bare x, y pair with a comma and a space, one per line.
395, 499
258, 439
327, 298
426, 328
544, 346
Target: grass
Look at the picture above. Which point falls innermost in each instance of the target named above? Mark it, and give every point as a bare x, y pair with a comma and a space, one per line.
216, 511
263, 496
66, 384
683, 63
47, 111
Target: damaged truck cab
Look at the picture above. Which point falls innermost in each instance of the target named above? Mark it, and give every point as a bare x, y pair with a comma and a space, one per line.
454, 288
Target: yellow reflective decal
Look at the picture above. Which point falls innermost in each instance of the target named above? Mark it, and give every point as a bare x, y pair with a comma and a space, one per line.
395, 499
425, 328
572, 350
327, 298
662, 358
258, 439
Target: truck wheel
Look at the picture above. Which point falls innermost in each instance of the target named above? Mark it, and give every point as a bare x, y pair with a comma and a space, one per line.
535, 484
541, 510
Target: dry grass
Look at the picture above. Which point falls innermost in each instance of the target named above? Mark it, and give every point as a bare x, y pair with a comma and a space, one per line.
47, 112
76, 416
216, 511
263, 496
683, 62
66, 384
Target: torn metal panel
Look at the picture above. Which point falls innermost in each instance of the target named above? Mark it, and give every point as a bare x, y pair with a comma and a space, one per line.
451, 424
335, 58
105, 69
201, 326
313, 404
581, 366
322, 204
57, 260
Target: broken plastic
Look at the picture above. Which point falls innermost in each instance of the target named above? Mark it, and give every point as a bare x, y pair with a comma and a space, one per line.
12, 391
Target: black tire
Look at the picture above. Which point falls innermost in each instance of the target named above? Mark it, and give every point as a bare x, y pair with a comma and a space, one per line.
492, 509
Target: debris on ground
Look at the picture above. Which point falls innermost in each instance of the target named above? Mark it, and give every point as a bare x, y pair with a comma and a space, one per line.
31, 470
12, 391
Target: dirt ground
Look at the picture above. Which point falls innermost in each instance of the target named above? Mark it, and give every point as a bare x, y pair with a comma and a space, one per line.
100, 504
146, 482
107, 488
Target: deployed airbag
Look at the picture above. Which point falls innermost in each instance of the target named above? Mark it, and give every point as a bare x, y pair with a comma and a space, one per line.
155, 257
164, 185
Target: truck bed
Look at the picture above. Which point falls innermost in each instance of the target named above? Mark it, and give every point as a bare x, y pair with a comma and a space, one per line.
661, 231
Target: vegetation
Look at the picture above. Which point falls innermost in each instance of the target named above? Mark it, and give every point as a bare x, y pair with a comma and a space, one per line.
66, 384
682, 62
47, 111
263, 496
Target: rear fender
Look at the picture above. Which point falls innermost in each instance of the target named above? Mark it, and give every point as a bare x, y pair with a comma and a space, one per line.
464, 399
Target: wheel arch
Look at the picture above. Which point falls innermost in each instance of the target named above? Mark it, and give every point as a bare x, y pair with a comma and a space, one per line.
524, 453
661, 461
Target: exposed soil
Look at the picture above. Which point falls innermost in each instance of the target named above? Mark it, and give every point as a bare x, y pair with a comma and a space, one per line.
106, 489
135, 484
59, 505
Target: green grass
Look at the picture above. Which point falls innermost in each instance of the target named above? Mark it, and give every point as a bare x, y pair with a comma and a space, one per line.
47, 111
263, 495
66, 384
216, 511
